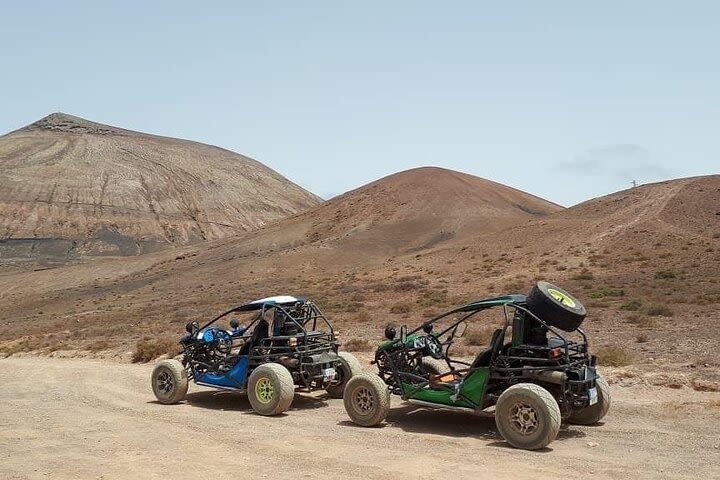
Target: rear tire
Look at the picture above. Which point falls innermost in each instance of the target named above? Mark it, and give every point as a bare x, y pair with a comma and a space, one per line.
169, 381
527, 416
270, 389
349, 367
594, 413
433, 366
556, 306
366, 399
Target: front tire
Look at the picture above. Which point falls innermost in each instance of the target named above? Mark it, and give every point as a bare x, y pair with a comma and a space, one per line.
169, 381
594, 413
527, 416
349, 367
366, 399
270, 389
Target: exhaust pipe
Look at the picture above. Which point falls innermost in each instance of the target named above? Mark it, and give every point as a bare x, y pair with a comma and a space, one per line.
549, 376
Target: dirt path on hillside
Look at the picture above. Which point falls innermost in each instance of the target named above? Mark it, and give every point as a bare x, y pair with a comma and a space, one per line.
83, 419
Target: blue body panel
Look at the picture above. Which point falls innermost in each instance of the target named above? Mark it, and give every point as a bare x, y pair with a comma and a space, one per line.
235, 378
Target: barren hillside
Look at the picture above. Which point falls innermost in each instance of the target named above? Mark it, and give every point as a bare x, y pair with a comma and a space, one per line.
406, 212
644, 261
70, 187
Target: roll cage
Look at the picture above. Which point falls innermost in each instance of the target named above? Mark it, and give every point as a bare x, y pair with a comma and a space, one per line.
521, 312
398, 359
302, 338
299, 311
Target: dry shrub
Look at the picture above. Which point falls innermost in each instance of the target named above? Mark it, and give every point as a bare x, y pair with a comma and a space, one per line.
631, 306
584, 274
22, 345
607, 292
357, 344
613, 356
363, 316
643, 321
479, 337
98, 346
659, 310
400, 308
642, 338
701, 385
665, 274
147, 350
433, 297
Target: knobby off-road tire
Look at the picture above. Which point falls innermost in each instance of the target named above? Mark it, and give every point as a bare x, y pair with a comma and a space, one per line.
556, 306
366, 399
594, 413
527, 416
349, 367
169, 381
433, 366
270, 389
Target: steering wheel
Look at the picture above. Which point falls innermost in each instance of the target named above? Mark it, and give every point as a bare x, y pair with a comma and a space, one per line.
218, 339
434, 347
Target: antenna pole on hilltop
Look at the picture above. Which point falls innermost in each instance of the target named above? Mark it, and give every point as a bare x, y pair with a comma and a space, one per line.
634, 183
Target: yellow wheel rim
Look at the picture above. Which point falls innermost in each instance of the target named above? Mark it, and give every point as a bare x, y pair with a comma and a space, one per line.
561, 297
264, 390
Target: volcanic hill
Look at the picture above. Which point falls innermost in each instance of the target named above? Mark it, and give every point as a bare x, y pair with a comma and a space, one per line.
404, 212
70, 187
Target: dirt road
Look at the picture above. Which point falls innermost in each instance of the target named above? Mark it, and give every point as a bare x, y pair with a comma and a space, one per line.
85, 419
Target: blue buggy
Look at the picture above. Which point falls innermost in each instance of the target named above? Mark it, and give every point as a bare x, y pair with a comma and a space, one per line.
286, 343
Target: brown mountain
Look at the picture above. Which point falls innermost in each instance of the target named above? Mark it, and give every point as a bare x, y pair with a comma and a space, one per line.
644, 261
405, 212
69, 186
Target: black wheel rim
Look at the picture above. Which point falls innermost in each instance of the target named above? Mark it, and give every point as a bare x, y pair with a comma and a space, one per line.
165, 383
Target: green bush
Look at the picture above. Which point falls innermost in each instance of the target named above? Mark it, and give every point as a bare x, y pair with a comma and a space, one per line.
631, 306
664, 274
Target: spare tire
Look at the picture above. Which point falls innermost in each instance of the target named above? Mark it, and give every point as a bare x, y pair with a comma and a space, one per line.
555, 306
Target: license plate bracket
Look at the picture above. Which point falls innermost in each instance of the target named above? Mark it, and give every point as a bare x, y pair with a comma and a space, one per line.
593, 396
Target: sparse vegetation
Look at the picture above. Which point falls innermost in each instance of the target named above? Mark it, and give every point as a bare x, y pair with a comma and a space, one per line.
607, 292
98, 346
631, 305
642, 338
479, 337
357, 344
659, 310
642, 321
613, 356
147, 350
665, 274
400, 308
433, 297
585, 274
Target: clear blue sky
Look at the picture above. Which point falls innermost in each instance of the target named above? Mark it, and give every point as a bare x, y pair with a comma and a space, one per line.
566, 100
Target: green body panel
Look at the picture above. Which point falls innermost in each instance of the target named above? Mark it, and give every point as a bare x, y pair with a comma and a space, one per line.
472, 388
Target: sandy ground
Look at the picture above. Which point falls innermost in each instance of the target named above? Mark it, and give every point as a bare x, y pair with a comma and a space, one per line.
62, 418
